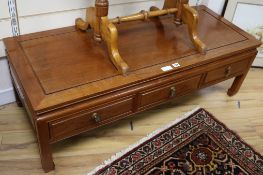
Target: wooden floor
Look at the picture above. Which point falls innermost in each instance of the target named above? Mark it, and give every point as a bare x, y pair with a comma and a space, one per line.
242, 113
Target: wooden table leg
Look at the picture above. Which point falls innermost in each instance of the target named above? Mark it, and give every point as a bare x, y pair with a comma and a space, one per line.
236, 85
18, 101
44, 146
239, 80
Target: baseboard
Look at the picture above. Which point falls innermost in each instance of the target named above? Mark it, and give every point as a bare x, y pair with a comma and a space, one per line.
258, 62
7, 96
2, 57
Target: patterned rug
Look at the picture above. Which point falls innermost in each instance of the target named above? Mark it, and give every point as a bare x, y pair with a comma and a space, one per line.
196, 144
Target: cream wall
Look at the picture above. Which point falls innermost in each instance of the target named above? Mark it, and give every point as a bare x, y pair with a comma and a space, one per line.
39, 15
6, 90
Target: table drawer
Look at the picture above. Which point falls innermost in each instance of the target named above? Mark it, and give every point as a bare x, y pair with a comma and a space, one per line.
226, 71
161, 94
88, 120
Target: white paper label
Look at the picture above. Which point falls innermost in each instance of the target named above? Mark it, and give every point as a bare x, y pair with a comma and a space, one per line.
167, 68
176, 65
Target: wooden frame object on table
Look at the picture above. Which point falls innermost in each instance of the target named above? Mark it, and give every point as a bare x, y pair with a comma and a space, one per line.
105, 29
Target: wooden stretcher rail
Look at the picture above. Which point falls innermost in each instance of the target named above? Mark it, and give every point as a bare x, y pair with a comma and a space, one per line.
144, 15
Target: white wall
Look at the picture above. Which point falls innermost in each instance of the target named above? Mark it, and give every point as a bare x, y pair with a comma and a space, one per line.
215, 5
39, 15
6, 90
5, 27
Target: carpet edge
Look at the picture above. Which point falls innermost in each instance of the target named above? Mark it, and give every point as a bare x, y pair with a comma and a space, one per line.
150, 135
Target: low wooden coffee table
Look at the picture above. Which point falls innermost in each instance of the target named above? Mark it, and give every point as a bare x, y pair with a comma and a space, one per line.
68, 85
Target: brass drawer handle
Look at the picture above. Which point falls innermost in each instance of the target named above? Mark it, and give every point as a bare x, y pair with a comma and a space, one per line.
96, 117
173, 92
228, 71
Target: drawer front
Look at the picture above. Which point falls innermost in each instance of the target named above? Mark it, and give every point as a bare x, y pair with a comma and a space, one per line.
227, 71
89, 120
161, 94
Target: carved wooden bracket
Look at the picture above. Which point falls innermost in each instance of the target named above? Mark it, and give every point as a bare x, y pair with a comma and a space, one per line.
105, 29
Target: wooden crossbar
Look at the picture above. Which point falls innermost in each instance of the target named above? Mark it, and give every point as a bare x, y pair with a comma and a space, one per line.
144, 15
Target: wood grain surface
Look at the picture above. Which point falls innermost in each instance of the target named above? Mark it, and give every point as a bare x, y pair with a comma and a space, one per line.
59, 70
19, 151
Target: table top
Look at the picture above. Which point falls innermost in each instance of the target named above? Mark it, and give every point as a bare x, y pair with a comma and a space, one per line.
63, 66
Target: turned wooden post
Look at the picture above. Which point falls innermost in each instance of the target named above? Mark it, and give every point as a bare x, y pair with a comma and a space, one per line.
179, 6
102, 8
176, 4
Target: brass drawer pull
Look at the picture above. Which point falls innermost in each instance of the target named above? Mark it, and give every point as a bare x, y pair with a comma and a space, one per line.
96, 117
173, 92
228, 71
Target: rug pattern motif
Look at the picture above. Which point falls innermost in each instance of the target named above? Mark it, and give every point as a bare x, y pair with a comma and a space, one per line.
199, 144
